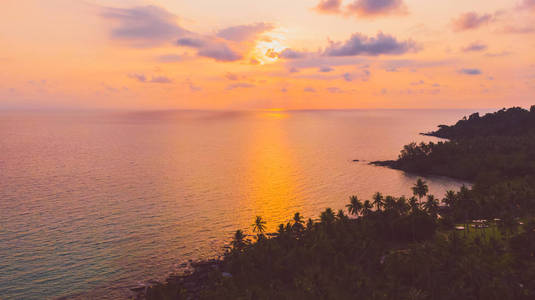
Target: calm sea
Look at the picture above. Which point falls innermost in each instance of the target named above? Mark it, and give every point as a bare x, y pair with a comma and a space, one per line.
92, 204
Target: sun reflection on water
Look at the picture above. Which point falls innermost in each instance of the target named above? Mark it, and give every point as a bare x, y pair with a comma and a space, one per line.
272, 173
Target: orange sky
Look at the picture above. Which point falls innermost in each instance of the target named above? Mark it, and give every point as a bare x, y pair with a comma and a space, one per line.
243, 54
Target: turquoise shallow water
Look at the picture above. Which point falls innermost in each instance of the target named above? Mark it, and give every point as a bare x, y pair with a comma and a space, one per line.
92, 204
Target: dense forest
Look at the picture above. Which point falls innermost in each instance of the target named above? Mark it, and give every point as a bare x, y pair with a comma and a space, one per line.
514, 121
475, 243
496, 152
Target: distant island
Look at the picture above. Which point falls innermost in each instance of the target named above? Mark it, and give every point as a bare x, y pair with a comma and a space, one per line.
475, 243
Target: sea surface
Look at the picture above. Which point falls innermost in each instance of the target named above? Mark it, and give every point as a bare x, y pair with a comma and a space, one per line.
94, 203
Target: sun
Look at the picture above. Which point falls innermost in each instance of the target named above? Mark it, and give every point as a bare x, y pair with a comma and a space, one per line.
268, 50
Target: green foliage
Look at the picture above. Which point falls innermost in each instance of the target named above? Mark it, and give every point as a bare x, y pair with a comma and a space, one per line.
514, 121
392, 253
496, 152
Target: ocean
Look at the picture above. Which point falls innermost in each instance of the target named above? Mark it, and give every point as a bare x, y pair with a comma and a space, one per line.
95, 203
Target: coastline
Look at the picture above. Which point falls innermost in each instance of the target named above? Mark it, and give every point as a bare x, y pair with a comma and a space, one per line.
191, 282
193, 285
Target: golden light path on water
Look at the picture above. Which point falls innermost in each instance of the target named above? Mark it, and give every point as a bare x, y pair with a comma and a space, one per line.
272, 172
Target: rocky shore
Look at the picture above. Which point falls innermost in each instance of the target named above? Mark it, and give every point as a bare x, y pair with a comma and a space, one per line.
188, 285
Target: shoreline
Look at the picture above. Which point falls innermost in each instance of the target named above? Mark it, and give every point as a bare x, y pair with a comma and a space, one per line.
391, 164
190, 282
193, 279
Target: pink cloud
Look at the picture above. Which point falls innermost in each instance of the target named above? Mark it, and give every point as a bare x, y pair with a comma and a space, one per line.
360, 44
210, 47
471, 20
528, 4
144, 26
370, 8
475, 47
243, 33
329, 6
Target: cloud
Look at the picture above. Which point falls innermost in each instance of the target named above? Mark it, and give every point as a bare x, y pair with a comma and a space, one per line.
154, 79
518, 29
240, 85
360, 44
309, 90
292, 54
194, 88
231, 76
499, 54
293, 70
210, 47
219, 52
419, 82
528, 4
395, 64
317, 61
329, 6
138, 77
150, 26
363, 8
143, 26
193, 42
243, 33
334, 90
325, 69
161, 79
470, 71
471, 20
371, 8
475, 47
364, 75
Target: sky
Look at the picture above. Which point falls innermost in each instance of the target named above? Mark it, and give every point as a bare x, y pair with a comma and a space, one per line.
277, 54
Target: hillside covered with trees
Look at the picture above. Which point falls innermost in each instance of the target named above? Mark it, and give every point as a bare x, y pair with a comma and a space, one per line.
475, 243
496, 152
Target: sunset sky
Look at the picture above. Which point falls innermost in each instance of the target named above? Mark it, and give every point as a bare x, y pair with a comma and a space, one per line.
287, 54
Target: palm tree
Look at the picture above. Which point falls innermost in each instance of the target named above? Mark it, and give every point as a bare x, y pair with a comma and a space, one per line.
413, 204
298, 222
238, 242
341, 215
450, 198
389, 203
259, 226
310, 223
366, 208
281, 230
298, 219
420, 189
431, 206
401, 205
355, 206
378, 200
327, 216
